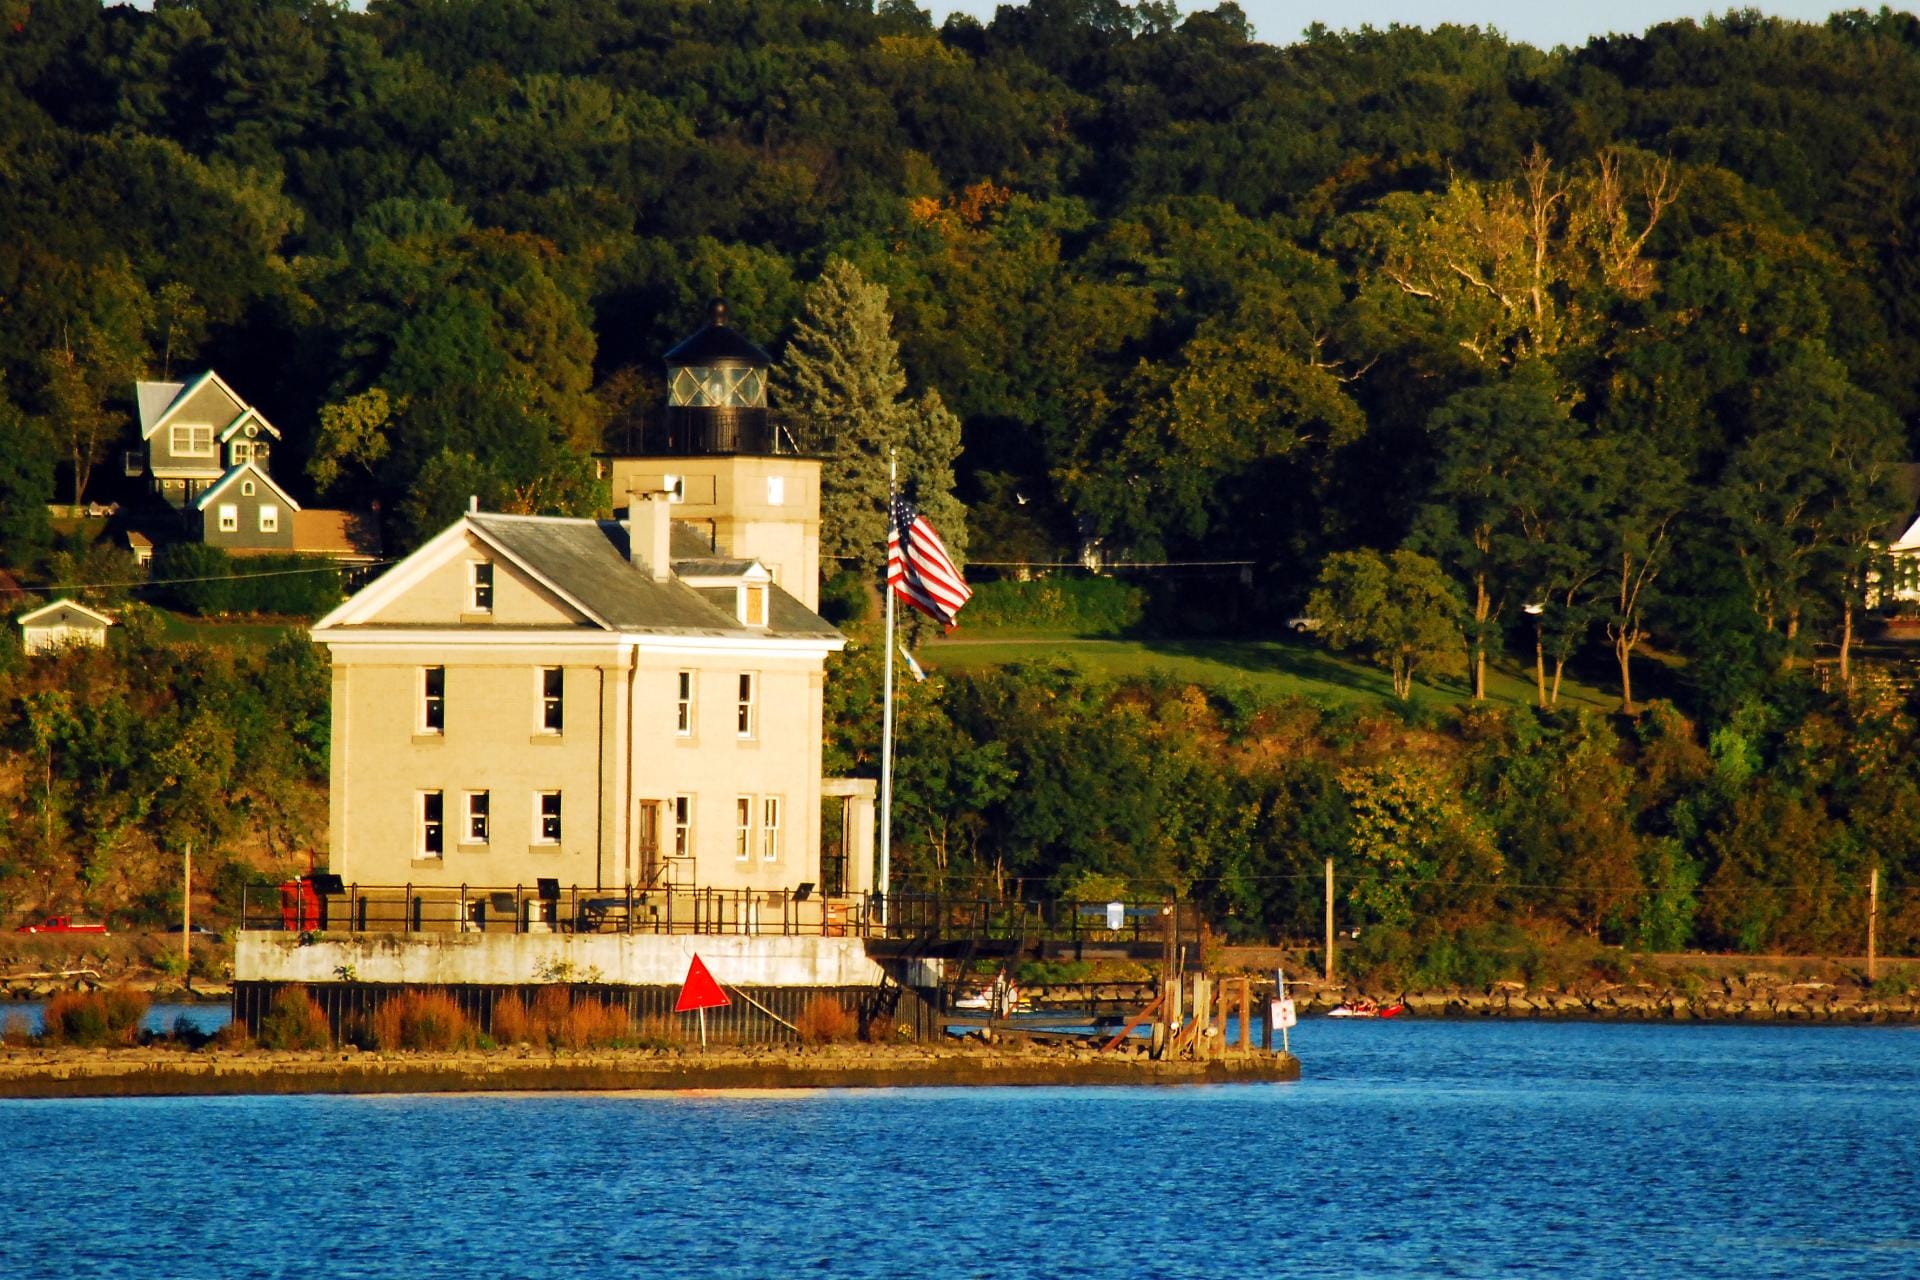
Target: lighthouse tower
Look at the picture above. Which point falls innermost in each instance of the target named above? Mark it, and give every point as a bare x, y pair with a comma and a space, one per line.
750, 494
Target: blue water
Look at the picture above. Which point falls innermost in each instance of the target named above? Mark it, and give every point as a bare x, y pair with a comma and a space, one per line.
1410, 1148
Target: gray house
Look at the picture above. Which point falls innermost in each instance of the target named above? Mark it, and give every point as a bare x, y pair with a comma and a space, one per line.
194, 434
245, 511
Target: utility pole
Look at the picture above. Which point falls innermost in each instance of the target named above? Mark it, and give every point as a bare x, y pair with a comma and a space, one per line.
1329, 955
186, 919
1873, 913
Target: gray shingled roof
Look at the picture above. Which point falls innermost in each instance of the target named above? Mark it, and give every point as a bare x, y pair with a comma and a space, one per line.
153, 399
587, 559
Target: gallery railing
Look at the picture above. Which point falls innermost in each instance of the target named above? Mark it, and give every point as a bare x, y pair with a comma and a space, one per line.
547, 907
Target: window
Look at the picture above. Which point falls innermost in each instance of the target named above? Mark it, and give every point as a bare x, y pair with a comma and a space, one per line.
133, 462
246, 488
683, 711
547, 812
479, 809
242, 451
746, 704
191, 440
776, 490
431, 831
753, 611
269, 518
553, 681
770, 829
683, 826
433, 699
229, 517
482, 586
743, 828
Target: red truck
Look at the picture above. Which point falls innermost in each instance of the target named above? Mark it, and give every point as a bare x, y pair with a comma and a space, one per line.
60, 924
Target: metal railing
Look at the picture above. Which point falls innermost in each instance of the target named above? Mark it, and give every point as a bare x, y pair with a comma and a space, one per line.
549, 908
411, 908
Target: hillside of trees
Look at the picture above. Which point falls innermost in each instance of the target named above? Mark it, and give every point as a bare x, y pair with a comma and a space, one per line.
1607, 355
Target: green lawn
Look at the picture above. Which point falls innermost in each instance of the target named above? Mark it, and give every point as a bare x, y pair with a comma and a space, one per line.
1277, 669
250, 632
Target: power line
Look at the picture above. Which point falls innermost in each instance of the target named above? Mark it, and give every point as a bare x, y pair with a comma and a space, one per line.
136, 584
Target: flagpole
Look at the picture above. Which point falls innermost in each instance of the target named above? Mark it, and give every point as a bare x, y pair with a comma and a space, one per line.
886, 719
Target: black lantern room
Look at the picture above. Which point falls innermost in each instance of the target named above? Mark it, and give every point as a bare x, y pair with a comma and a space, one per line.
716, 395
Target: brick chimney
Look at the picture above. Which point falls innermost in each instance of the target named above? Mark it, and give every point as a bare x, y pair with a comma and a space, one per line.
650, 533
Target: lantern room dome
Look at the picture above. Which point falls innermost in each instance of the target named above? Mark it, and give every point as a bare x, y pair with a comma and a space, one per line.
717, 344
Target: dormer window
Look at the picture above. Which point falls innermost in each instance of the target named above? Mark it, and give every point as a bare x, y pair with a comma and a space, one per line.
753, 606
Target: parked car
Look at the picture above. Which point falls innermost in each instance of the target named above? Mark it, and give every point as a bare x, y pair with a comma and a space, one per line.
60, 924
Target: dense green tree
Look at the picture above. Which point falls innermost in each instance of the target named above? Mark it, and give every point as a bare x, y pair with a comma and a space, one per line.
26, 487
1399, 611
843, 396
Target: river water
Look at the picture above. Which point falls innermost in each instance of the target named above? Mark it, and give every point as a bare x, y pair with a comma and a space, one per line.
1409, 1148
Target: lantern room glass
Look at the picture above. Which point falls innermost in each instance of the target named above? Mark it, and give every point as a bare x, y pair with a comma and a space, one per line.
717, 387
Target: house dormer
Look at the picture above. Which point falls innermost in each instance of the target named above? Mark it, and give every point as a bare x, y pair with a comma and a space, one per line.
741, 587
249, 438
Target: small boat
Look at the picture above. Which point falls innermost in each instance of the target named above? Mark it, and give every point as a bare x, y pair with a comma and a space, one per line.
1361, 1007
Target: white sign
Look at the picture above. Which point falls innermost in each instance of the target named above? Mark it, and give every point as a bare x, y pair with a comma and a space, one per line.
1283, 1015
1116, 915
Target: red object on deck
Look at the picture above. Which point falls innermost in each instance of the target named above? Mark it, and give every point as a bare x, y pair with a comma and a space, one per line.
60, 924
299, 906
700, 991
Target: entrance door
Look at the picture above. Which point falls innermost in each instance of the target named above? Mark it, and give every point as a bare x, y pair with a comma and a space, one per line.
834, 831
647, 838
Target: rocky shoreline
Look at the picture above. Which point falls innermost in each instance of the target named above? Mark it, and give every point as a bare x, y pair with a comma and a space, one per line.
155, 1072
1742, 996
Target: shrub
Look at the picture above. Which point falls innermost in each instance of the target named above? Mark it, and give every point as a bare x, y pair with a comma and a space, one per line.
207, 581
94, 1018
295, 1022
1082, 606
421, 1020
561, 1022
826, 1021
233, 1036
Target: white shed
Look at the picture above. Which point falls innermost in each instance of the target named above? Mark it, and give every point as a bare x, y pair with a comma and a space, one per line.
63, 623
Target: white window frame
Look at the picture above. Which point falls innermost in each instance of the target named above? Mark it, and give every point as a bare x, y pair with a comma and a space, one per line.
682, 826
228, 514
480, 581
269, 517
684, 689
540, 835
431, 829
246, 488
477, 822
241, 451
747, 705
433, 706
743, 828
191, 440
550, 708
770, 828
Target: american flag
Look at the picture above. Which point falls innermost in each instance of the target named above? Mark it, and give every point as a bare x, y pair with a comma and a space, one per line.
918, 567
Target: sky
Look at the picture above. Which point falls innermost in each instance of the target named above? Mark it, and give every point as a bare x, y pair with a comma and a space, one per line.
1542, 23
